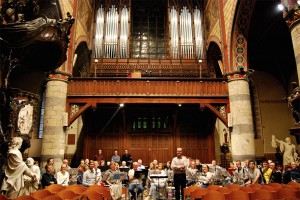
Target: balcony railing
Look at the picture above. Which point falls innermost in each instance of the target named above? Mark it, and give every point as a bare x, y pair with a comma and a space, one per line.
148, 87
149, 68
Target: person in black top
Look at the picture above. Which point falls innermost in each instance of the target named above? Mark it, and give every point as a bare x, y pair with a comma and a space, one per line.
127, 158
80, 175
48, 178
276, 176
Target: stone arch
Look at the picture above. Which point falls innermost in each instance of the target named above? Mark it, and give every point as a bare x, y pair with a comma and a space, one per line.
239, 37
80, 39
214, 56
83, 62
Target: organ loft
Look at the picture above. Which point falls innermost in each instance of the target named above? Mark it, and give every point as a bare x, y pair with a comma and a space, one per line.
210, 76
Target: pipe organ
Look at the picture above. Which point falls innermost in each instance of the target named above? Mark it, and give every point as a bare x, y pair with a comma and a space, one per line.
99, 32
198, 33
189, 23
108, 30
174, 33
184, 30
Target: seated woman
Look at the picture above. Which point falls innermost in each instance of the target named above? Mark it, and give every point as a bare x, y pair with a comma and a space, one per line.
169, 172
63, 176
151, 170
192, 174
112, 178
158, 182
205, 177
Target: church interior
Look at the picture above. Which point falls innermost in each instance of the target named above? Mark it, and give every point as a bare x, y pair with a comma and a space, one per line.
213, 77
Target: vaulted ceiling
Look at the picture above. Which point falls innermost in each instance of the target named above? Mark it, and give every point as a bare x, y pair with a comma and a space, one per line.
270, 47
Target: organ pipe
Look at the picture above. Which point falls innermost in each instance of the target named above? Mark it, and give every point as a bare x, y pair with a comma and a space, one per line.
107, 33
186, 33
99, 33
174, 33
111, 36
187, 49
124, 33
198, 33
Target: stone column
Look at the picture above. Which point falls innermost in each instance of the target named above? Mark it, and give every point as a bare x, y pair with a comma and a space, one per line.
292, 18
242, 134
295, 32
53, 142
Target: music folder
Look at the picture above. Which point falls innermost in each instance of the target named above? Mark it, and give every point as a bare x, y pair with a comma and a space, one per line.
124, 170
119, 175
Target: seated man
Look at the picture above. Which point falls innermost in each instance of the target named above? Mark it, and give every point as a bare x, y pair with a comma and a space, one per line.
135, 181
48, 178
80, 174
291, 174
241, 174
140, 164
89, 176
254, 174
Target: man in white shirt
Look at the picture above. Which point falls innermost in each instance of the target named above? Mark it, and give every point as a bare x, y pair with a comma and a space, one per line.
179, 165
89, 176
134, 182
140, 164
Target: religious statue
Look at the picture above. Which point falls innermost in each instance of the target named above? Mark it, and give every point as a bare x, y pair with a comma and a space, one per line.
30, 184
294, 101
15, 170
288, 149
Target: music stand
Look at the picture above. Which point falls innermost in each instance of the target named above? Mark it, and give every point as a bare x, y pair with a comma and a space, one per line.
104, 168
125, 169
199, 167
138, 174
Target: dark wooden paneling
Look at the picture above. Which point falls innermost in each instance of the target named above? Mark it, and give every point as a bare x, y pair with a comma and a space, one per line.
193, 133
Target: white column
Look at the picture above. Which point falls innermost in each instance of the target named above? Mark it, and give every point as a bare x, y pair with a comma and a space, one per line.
53, 141
242, 135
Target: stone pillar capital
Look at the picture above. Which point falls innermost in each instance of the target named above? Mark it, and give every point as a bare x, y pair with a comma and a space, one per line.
58, 76
239, 75
292, 18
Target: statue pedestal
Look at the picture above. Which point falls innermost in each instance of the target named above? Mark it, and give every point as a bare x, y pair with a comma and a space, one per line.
295, 130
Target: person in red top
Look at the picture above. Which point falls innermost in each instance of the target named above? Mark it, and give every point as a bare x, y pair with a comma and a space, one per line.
231, 168
99, 156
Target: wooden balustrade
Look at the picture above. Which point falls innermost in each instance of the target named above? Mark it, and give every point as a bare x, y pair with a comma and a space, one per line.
148, 87
149, 68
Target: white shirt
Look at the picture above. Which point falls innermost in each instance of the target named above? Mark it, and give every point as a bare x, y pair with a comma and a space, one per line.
205, 178
177, 163
62, 179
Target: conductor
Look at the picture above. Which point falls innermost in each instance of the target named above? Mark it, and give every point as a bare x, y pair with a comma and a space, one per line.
179, 165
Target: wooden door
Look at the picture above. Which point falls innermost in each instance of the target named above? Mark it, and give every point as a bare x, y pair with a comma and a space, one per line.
150, 146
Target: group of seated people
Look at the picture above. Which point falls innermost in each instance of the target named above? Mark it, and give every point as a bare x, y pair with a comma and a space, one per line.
138, 177
249, 173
